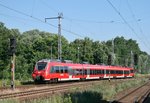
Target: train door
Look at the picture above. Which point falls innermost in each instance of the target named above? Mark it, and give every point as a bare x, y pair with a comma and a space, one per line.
129, 73
88, 72
104, 73
82, 71
70, 71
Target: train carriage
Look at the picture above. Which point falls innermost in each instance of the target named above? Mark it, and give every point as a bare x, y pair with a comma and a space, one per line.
54, 71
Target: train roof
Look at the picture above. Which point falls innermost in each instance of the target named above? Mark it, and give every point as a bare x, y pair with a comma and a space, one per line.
79, 66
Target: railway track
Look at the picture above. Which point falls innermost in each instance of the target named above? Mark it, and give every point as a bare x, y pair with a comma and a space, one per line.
33, 85
30, 86
135, 96
32, 94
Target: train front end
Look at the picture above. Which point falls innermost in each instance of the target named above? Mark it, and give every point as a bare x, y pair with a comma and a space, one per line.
40, 71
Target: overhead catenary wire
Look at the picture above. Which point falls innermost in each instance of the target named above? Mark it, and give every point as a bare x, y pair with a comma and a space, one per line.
122, 17
16, 19
51, 8
134, 17
92, 21
35, 18
33, 7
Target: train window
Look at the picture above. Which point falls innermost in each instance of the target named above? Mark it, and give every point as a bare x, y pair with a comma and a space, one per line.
61, 69
57, 69
98, 72
94, 72
71, 72
85, 72
114, 72
65, 69
52, 70
132, 71
75, 72
80, 71
90, 72
111, 72
102, 71
107, 71
121, 72
126, 72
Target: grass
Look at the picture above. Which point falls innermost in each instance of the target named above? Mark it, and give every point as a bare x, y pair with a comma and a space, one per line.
9, 101
7, 83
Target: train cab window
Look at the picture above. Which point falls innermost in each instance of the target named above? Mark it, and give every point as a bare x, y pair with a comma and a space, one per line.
41, 65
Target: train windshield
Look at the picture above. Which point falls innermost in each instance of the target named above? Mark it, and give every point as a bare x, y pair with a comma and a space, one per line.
41, 65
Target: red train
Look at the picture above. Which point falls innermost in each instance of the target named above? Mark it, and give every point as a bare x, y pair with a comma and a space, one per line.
54, 71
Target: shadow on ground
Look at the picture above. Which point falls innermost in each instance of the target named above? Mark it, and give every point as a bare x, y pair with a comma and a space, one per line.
85, 97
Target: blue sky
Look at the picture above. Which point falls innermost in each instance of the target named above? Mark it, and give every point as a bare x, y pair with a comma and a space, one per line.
95, 19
